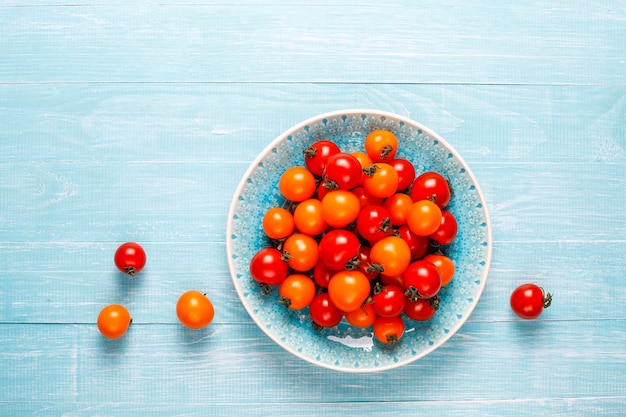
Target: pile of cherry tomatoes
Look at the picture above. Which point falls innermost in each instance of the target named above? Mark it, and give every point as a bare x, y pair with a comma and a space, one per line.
360, 237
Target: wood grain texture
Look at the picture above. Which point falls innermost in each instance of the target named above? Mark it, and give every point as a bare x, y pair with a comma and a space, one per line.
135, 121
444, 42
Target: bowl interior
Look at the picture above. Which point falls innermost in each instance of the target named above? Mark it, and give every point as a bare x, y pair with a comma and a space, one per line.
346, 348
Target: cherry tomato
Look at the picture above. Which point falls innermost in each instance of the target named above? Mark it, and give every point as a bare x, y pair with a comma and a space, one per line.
344, 170
390, 255
362, 317
340, 208
267, 267
365, 263
406, 173
529, 300
323, 312
422, 279
388, 300
339, 249
373, 223
445, 266
431, 186
301, 252
392, 279
316, 155
308, 217
422, 309
324, 188
365, 198
381, 145
322, 275
423, 217
388, 330
349, 289
194, 310
130, 258
380, 180
278, 223
447, 230
398, 207
297, 184
418, 245
296, 291
113, 321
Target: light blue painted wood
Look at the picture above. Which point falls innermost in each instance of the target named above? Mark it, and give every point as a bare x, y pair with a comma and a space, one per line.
135, 121
443, 42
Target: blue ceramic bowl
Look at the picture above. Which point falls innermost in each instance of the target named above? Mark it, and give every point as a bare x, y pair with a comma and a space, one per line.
346, 348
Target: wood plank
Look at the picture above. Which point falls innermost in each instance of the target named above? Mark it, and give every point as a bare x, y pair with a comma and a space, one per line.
228, 364
484, 42
191, 122
565, 407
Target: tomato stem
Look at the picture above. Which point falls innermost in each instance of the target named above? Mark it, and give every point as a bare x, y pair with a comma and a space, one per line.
265, 289
547, 300
369, 171
386, 151
284, 301
435, 302
378, 288
392, 339
330, 185
385, 225
130, 270
353, 264
412, 294
309, 152
375, 268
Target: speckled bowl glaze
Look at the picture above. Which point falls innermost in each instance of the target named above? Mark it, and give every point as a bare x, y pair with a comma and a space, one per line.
346, 348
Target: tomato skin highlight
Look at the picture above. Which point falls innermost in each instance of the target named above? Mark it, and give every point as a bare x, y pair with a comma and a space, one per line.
113, 321
528, 301
194, 310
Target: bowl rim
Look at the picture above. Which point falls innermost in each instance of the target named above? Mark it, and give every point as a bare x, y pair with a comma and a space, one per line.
316, 119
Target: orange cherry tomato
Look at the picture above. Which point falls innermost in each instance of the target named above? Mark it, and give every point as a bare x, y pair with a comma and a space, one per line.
423, 218
194, 310
113, 321
381, 180
340, 208
391, 254
362, 317
364, 160
308, 217
398, 206
296, 291
278, 223
388, 330
445, 266
301, 252
381, 145
297, 184
348, 290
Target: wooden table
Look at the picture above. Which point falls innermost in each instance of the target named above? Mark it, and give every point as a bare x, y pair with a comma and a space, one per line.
135, 120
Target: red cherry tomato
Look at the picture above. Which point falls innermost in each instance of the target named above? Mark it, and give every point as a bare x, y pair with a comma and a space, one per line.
323, 312
388, 300
339, 249
316, 155
130, 258
373, 223
447, 230
388, 330
322, 275
398, 207
267, 267
344, 170
406, 173
418, 245
365, 263
422, 309
445, 265
529, 300
422, 279
431, 186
